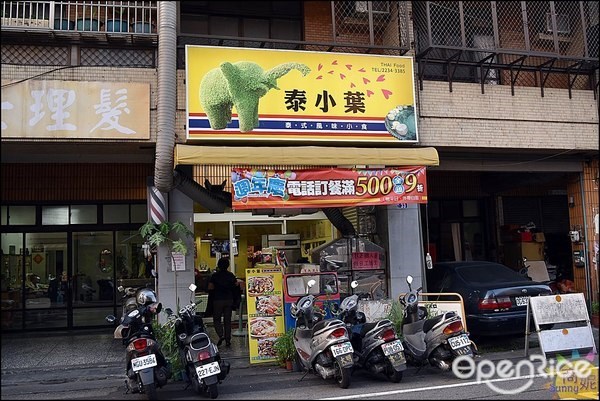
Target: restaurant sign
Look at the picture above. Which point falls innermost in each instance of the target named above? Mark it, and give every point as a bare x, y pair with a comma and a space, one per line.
255, 95
331, 187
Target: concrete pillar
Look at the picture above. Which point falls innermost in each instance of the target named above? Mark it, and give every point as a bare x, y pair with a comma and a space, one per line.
401, 228
173, 285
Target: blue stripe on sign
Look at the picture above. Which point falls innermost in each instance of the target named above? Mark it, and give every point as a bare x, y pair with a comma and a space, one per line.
295, 125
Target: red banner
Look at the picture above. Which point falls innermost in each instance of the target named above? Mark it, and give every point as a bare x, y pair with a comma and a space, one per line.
332, 187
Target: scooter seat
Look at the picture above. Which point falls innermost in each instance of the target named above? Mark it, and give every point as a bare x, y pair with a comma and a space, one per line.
429, 323
366, 328
318, 326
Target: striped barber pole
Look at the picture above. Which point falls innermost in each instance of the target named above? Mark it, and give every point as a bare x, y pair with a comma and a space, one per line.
157, 208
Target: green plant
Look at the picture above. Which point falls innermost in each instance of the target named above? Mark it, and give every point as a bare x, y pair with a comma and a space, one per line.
161, 234
167, 338
595, 307
396, 315
284, 347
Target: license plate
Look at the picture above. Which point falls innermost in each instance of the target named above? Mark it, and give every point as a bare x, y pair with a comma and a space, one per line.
521, 301
459, 341
143, 362
392, 348
341, 349
209, 369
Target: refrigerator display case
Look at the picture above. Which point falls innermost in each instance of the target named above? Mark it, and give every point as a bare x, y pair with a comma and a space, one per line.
357, 259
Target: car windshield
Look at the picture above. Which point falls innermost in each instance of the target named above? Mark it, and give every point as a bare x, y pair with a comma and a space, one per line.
489, 273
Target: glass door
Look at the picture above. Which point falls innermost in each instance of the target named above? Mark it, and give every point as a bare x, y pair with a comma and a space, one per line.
46, 285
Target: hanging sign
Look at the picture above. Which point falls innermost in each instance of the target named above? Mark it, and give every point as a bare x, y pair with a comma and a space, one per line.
332, 187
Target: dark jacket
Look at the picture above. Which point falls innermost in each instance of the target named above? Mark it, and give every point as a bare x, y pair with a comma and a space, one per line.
225, 287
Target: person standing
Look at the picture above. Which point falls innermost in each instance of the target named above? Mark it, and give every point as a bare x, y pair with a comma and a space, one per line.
221, 289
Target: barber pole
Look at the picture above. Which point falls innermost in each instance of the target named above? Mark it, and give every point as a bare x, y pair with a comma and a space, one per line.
157, 205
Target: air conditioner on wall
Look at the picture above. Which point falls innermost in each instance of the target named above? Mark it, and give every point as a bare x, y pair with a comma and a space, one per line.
562, 23
379, 7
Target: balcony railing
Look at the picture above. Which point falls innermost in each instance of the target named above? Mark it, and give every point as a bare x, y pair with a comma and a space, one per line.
138, 17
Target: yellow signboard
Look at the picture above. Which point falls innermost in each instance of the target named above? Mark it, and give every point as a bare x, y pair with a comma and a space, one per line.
264, 288
260, 95
75, 110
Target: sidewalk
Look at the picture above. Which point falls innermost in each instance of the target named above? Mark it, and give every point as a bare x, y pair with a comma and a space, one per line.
96, 352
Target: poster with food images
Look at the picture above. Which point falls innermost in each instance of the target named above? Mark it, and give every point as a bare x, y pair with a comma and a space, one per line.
264, 287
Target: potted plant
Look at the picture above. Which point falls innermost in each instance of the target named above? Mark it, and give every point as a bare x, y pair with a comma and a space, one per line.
595, 317
117, 23
285, 349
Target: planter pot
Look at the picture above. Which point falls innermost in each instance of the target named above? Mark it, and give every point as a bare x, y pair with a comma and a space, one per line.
595, 319
88, 24
141, 27
64, 24
288, 365
114, 25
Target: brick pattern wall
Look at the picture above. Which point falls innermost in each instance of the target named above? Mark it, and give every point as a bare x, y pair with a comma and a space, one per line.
467, 118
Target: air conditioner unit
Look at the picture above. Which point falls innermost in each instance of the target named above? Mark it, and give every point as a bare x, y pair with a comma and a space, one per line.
562, 23
379, 7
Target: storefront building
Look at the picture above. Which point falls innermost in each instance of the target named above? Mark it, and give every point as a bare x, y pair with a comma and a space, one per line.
505, 125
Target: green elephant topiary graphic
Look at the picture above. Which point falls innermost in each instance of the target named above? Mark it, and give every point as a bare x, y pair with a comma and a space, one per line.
240, 84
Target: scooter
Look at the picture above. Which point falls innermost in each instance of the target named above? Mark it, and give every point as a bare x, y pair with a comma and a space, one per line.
322, 345
145, 365
204, 367
376, 346
437, 341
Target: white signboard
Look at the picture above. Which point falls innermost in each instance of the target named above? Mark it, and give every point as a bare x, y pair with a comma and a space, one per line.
179, 261
75, 109
558, 310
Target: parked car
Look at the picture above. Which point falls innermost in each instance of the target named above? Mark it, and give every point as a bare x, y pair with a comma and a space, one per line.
494, 295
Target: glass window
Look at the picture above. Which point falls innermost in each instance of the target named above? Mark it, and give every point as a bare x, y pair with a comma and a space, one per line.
4, 216
52, 215
84, 214
470, 208
116, 214
139, 213
93, 268
21, 215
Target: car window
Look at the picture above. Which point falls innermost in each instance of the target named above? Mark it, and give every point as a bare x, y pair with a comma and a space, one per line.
488, 273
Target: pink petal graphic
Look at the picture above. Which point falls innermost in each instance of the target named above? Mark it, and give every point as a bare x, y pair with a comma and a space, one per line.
369, 93
352, 85
381, 78
386, 93
330, 72
319, 67
342, 76
320, 77
362, 70
334, 62
349, 66
366, 81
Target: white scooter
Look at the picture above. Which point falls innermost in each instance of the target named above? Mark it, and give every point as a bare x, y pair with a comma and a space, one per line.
323, 345
438, 340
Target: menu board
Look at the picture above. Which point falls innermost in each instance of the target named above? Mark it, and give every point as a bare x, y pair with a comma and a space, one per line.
264, 288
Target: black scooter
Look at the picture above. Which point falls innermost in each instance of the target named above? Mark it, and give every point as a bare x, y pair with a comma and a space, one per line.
146, 367
204, 367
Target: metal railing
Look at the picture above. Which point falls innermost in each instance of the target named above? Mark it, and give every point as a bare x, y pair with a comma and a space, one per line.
138, 17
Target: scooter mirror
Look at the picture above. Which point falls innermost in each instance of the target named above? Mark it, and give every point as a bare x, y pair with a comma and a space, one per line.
169, 311
120, 288
354, 284
409, 279
311, 283
192, 287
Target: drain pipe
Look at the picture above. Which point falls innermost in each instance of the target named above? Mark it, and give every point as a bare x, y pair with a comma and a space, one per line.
339, 221
215, 203
167, 95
